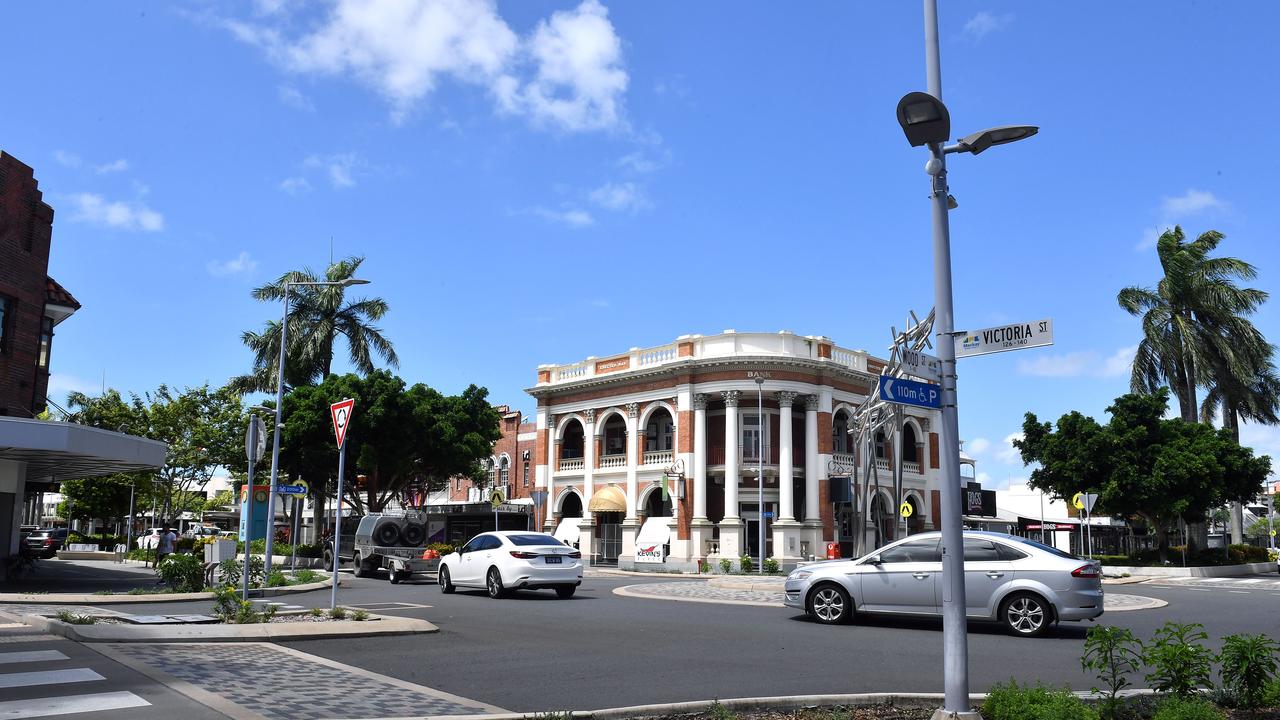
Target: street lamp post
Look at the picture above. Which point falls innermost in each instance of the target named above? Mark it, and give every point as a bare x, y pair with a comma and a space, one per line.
926, 121
760, 468
279, 419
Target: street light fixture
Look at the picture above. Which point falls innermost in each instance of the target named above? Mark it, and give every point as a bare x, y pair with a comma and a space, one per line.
925, 120
279, 424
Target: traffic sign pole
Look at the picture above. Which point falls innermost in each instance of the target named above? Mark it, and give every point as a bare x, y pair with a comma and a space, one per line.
341, 412
248, 508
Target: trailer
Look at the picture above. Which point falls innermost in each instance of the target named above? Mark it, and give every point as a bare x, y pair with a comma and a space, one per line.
392, 543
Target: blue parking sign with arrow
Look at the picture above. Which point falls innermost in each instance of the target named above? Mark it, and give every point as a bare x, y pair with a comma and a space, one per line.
910, 392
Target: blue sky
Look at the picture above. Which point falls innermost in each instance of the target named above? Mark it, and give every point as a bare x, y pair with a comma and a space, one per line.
542, 181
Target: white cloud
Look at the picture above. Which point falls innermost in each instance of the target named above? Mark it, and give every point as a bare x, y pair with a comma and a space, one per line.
66, 159
338, 167
94, 209
112, 167
567, 73
1120, 363
242, 264
572, 217
1007, 452
1079, 364
977, 446
985, 23
620, 196
1191, 202
639, 162
295, 185
60, 384
294, 98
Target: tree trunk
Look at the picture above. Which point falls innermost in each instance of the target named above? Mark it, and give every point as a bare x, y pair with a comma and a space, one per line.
317, 517
1231, 420
1162, 542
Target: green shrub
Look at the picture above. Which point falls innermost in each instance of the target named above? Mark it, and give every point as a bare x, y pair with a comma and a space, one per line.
229, 572
315, 612
277, 579
338, 613
182, 573
771, 566
745, 564
226, 602
1271, 694
1247, 664
1247, 554
185, 545
103, 592
1176, 708
1011, 702
704, 567
71, 618
1179, 662
726, 565
1112, 653
442, 548
304, 576
359, 615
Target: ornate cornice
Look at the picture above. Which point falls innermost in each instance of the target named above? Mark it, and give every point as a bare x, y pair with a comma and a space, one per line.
810, 402
700, 401
633, 409
590, 415
731, 397
786, 398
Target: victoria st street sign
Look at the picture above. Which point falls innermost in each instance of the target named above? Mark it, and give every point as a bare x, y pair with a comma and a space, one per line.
910, 392
1016, 336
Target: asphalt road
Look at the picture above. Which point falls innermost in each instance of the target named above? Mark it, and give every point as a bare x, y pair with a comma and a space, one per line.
534, 652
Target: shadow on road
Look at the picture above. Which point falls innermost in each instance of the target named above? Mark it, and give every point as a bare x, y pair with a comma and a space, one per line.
1062, 631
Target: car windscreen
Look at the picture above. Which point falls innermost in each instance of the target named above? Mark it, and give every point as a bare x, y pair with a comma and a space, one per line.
532, 540
1047, 548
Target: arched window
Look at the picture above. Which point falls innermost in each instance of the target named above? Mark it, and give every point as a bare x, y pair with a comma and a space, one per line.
840, 441
910, 445
659, 431
572, 445
880, 444
504, 474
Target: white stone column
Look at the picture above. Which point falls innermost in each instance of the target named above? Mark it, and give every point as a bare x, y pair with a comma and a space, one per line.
786, 470
553, 464
700, 457
731, 526
811, 470
586, 542
633, 459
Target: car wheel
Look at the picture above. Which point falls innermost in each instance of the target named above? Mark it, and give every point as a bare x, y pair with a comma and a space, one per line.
446, 586
393, 576
358, 566
328, 559
493, 583
564, 592
1026, 614
830, 604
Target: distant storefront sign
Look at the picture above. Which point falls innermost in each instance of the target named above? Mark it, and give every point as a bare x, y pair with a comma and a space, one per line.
978, 501
648, 552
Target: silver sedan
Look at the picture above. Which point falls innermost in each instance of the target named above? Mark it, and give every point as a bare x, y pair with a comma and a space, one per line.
1021, 583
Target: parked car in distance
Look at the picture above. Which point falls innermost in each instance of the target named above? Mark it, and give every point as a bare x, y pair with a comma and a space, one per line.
1016, 581
150, 539
511, 560
203, 531
46, 542
347, 543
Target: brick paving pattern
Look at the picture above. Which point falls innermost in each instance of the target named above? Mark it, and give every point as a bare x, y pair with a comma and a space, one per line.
279, 684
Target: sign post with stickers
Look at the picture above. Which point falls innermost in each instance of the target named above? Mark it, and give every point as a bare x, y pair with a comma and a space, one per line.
341, 412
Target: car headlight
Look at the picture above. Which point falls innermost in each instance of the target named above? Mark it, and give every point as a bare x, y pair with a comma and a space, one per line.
799, 574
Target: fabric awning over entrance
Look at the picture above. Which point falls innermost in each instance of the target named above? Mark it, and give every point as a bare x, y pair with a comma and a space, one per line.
567, 530
654, 530
609, 499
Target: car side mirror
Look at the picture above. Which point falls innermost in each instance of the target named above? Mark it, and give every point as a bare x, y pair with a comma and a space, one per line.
875, 560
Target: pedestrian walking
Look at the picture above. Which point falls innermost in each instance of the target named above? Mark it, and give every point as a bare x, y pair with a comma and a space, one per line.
167, 541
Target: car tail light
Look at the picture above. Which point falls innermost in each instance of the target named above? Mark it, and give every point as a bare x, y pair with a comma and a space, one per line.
1088, 572
575, 554
48, 542
523, 555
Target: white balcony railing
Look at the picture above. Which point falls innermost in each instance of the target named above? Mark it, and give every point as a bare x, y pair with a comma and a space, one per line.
570, 372
572, 463
613, 461
849, 359
845, 459
657, 356
883, 464
658, 457
911, 467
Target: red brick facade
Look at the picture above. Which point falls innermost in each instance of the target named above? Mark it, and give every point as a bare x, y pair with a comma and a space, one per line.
521, 456
26, 227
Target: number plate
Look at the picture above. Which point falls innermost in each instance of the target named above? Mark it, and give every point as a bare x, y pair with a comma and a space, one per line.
554, 560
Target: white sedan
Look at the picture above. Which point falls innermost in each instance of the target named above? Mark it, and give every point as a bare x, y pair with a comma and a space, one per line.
508, 560
150, 539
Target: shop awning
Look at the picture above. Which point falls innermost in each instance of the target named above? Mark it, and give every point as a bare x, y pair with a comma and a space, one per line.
567, 530
654, 531
609, 499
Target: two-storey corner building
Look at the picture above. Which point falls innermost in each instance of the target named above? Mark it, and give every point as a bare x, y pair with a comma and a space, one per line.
654, 455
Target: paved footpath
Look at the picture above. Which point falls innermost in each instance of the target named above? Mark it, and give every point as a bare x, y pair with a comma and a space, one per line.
712, 592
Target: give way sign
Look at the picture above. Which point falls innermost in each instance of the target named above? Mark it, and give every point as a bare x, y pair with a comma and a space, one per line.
341, 412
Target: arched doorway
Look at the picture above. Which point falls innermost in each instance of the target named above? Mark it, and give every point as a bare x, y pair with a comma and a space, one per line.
608, 506
915, 523
571, 506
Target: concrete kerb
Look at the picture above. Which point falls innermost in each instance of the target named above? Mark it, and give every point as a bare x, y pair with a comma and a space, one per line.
376, 625
1178, 571
124, 598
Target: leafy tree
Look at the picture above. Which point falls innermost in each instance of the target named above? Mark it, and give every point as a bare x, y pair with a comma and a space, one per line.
103, 497
318, 315
1142, 463
202, 427
398, 436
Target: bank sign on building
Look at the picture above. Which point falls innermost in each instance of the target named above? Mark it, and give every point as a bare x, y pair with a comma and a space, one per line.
653, 456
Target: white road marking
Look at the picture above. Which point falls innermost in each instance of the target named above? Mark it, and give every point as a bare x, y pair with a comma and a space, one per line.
1255, 580
47, 677
1210, 580
31, 656
45, 707
1239, 592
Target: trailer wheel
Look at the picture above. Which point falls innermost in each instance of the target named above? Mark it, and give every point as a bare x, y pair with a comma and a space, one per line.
413, 534
394, 576
358, 564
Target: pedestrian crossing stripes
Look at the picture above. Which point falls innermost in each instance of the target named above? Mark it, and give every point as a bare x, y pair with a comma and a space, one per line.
67, 705
31, 656
61, 683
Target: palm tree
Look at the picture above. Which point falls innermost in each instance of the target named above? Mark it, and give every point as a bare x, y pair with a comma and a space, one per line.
318, 315
1193, 322
1195, 333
